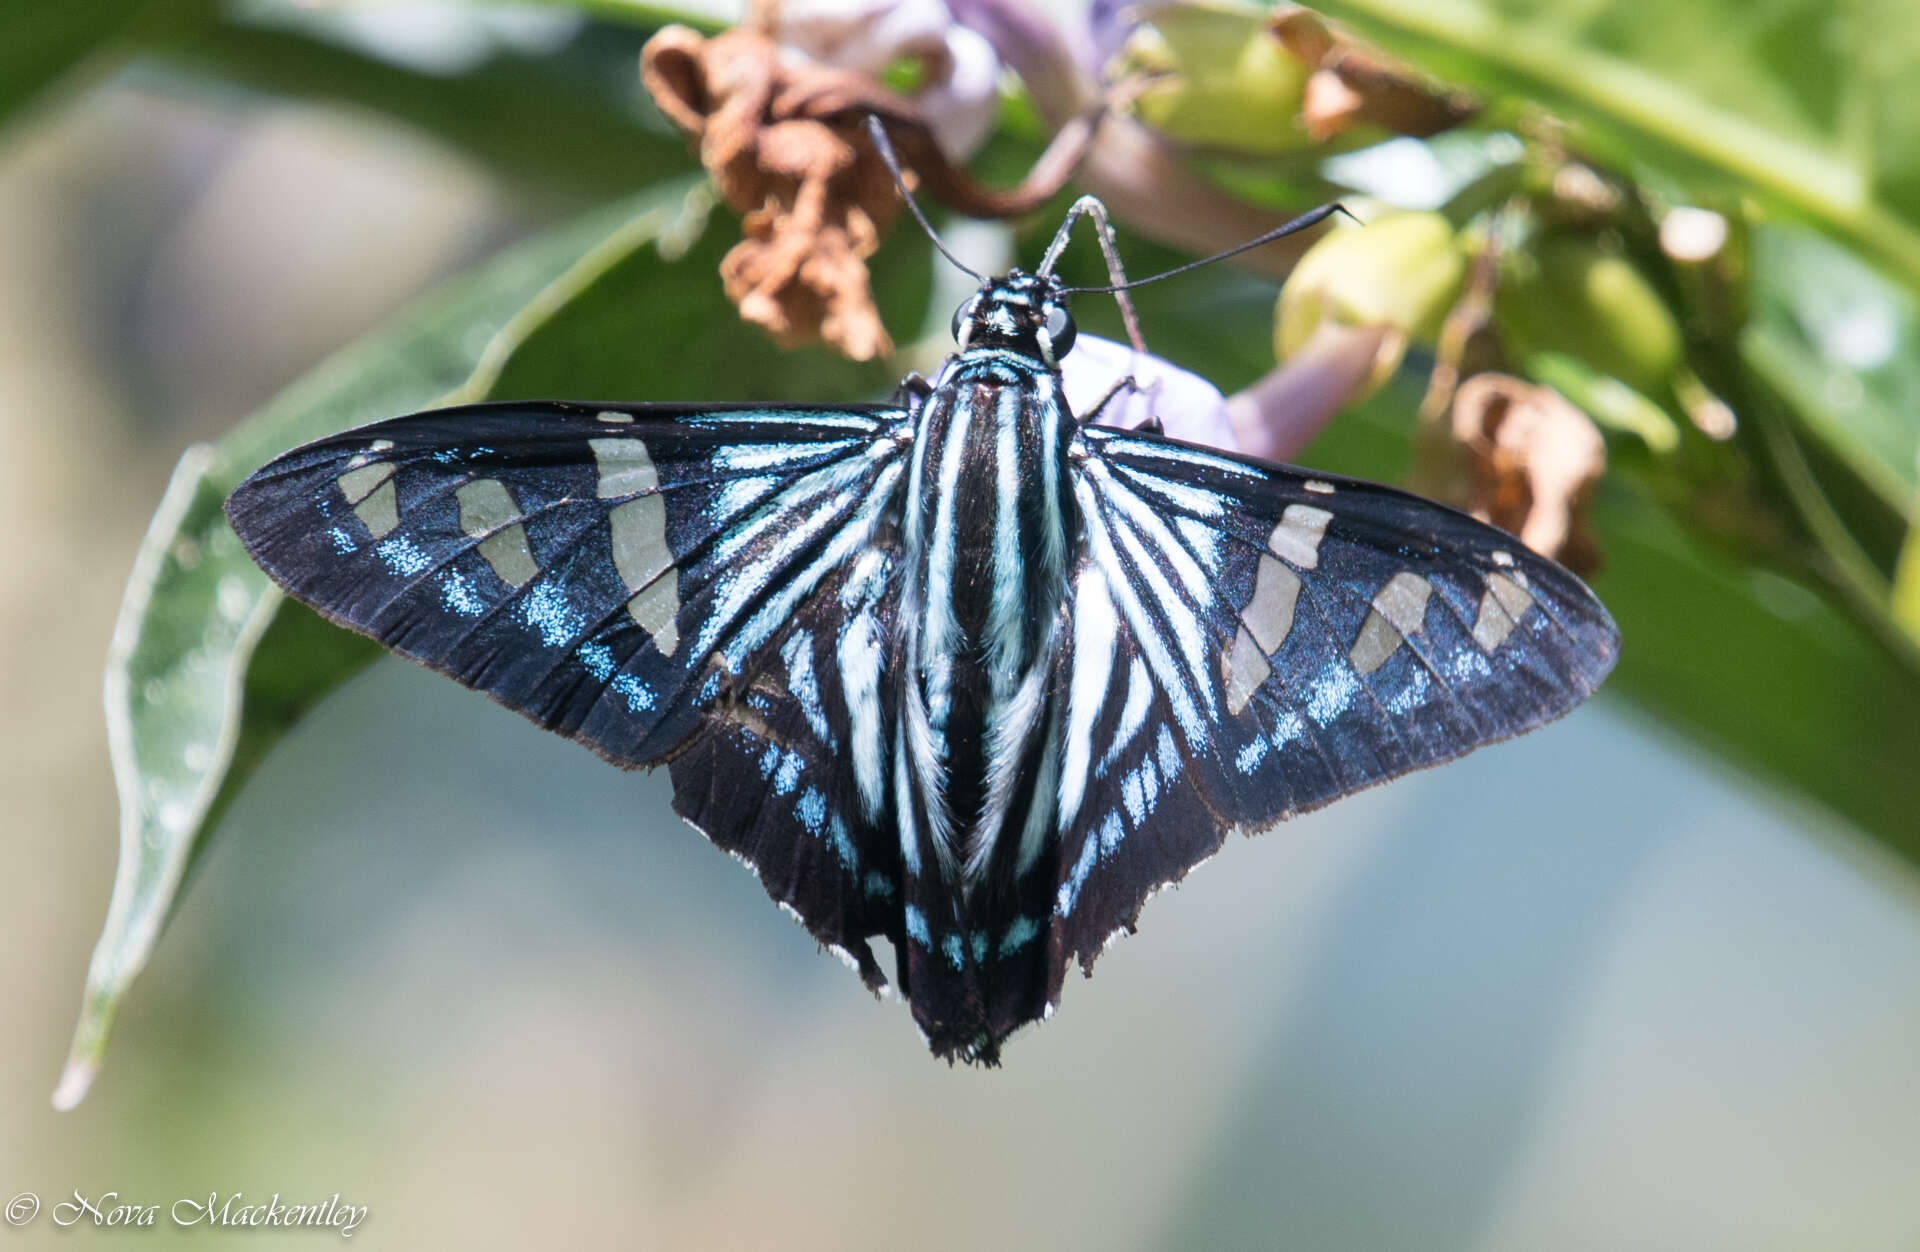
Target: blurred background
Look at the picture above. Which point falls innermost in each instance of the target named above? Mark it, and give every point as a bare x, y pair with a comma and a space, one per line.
1604, 987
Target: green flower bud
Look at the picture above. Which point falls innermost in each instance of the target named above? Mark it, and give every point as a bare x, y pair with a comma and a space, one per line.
1566, 295
1403, 272
1224, 80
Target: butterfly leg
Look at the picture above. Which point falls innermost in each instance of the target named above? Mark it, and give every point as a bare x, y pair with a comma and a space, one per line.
1128, 385
912, 392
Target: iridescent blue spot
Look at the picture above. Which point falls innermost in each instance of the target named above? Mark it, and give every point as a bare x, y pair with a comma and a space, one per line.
769, 760
1167, 752
811, 810
956, 954
917, 926
1332, 693
842, 842
978, 942
446, 456
342, 542
1070, 889
1019, 934
1413, 697
1469, 665
1111, 833
878, 885
547, 609
597, 658
788, 776
639, 695
458, 595
1288, 729
402, 557
1250, 756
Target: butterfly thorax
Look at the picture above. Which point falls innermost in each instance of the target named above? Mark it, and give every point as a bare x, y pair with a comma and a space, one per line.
986, 538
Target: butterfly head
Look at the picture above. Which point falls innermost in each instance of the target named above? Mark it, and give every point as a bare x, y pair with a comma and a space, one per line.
1026, 313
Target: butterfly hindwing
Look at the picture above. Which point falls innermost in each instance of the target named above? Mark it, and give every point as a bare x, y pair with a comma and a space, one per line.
605, 570
1253, 641
766, 774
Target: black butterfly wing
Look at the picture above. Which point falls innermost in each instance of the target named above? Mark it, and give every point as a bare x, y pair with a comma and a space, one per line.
786, 771
1252, 641
604, 570
655, 581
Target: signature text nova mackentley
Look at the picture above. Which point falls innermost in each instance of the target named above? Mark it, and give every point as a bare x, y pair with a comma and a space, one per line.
217, 1210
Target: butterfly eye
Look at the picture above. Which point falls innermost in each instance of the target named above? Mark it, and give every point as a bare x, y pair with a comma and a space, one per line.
1060, 331
961, 316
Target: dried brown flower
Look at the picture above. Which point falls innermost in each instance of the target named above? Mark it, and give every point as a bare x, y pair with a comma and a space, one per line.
785, 142
1531, 460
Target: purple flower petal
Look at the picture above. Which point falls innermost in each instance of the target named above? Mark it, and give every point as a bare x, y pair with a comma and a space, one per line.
1188, 406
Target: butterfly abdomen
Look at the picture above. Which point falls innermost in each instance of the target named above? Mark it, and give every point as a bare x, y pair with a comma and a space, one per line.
986, 546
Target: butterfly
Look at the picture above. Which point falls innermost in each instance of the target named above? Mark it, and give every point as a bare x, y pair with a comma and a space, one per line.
963, 670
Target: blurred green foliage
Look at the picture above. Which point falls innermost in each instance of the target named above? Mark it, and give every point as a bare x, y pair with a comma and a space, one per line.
1767, 585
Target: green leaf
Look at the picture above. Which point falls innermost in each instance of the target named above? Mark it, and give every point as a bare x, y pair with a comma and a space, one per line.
543, 120
1906, 586
1804, 103
1842, 345
209, 663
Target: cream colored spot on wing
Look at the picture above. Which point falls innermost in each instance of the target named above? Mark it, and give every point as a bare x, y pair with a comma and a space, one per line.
625, 467
1399, 608
1297, 537
380, 445
485, 506
1269, 614
358, 484
1319, 486
1512, 594
380, 511
639, 532
1403, 601
1501, 557
1374, 644
654, 609
613, 418
1501, 608
1244, 667
488, 513
512, 559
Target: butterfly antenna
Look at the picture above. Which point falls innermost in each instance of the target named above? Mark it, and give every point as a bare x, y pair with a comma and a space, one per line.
884, 146
1304, 222
1090, 206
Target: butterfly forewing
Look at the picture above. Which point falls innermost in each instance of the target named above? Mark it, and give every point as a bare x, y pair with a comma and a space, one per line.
1252, 641
605, 570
